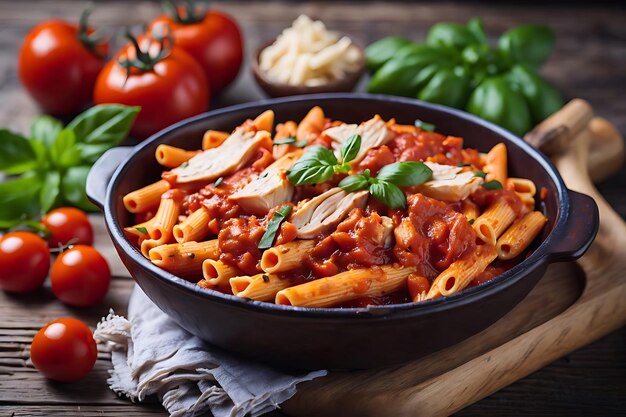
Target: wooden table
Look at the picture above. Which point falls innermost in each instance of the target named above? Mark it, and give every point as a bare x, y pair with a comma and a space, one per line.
589, 62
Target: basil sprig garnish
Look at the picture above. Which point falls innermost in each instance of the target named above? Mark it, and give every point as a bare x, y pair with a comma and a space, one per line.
319, 163
385, 187
267, 240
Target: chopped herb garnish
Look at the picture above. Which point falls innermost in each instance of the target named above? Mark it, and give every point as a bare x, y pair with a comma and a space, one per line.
266, 279
142, 229
285, 141
300, 143
480, 174
264, 175
218, 182
471, 221
272, 227
493, 185
461, 164
424, 126
184, 164
385, 187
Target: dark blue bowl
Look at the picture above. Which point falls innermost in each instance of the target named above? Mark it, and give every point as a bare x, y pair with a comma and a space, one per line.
346, 338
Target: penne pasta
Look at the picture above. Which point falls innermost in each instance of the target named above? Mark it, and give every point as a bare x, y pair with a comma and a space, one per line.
261, 287
264, 121
346, 286
184, 259
194, 228
213, 139
520, 235
217, 272
462, 271
494, 221
286, 257
172, 157
525, 190
311, 125
496, 164
137, 230
470, 209
162, 225
145, 198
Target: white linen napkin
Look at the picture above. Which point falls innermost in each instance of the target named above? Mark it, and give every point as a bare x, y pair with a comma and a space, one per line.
152, 355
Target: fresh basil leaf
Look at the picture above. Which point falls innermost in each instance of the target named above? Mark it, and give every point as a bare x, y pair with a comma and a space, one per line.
425, 126
354, 183
350, 148
269, 236
405, 174
63, 151
89, 154
480, 174
493, 185
284, 141
476, 26
16, 154
50, 190
104, 124
29, 225
316, 165
73, 188
18, 199
142, 229
41, 154
389, 194
45, 129
310, 175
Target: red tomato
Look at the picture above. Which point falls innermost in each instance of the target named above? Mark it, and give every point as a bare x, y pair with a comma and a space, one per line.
168, 89
68, 224
64, 350
211, 38
80, 276
24, 261
58, 65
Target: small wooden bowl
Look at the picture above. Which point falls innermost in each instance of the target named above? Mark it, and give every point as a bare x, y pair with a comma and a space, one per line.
274, 89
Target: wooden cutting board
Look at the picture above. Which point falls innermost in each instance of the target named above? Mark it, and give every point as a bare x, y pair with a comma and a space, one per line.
573, 305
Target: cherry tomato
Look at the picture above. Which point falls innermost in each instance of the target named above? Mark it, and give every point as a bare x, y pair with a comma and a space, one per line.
59, 63
212, 38
64, 350
68, 225
80, 276
24, 262
168, 85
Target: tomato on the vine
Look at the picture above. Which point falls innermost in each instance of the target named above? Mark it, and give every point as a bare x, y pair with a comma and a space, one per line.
211, 37
68, 225
64, 350
80, 276
24, 262
59, 63
167, 83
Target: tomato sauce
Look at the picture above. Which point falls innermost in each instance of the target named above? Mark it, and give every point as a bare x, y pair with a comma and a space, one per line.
238, 243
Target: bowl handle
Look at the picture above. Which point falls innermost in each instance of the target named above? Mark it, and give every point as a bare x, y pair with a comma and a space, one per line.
102, 171
580, 229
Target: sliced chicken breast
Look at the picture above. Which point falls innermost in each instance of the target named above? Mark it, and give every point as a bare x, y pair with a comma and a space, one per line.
449, 183
231, 155
374, 133
325, 211
270, 189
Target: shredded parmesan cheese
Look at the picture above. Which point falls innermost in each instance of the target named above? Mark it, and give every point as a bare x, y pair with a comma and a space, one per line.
307, 54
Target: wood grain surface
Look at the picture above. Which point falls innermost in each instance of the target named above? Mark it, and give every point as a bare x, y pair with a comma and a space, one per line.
589, 61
